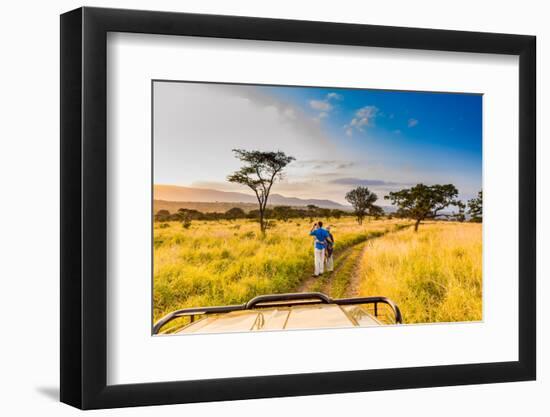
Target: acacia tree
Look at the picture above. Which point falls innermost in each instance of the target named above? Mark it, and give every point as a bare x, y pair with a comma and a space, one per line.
475, 208
259, 172
362, 200
423, 202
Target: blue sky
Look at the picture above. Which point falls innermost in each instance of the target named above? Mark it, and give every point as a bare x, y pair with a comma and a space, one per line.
341, 137
441, 131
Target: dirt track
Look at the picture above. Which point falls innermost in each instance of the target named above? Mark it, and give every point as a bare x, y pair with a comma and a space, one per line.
344, 280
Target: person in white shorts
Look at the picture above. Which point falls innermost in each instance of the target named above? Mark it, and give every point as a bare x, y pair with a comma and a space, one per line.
319, 247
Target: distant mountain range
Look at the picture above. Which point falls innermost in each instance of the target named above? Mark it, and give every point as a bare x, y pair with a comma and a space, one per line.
177, 193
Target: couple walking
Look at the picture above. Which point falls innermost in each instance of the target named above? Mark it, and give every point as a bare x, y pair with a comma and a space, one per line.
322, 249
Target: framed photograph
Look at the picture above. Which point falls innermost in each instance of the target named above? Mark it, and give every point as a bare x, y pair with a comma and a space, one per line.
259, 208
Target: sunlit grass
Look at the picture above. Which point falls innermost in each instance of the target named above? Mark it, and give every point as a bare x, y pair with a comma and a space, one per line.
229, 262
434, 275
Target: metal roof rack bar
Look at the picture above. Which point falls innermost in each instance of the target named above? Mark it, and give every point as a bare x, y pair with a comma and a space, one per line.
280, 300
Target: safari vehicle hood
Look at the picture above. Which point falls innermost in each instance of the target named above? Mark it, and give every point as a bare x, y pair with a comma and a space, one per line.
284, 312
283, 318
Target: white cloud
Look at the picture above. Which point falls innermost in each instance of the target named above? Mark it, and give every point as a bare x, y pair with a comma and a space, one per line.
332, 164
321, 105
366, 115
324, 106
363, 117
412, 122
334, 96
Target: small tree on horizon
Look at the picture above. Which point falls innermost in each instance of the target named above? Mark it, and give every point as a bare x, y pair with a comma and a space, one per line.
185, 218
162, 215
423, 202
362, 200
235, 213
282, 212
460, 215
475, 208
259, 172
311, 211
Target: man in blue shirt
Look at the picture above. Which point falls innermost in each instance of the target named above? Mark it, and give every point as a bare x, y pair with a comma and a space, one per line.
319, 247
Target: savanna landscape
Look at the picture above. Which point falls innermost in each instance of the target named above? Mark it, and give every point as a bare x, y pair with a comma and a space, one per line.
434, 275
397, 197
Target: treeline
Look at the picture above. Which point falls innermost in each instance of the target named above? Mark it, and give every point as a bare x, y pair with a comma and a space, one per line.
283, 213
418, 203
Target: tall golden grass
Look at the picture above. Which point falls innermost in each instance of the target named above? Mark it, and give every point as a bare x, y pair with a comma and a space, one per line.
228, 262
434, 275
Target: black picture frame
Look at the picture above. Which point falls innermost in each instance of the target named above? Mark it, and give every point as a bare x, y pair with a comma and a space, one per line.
84, 207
